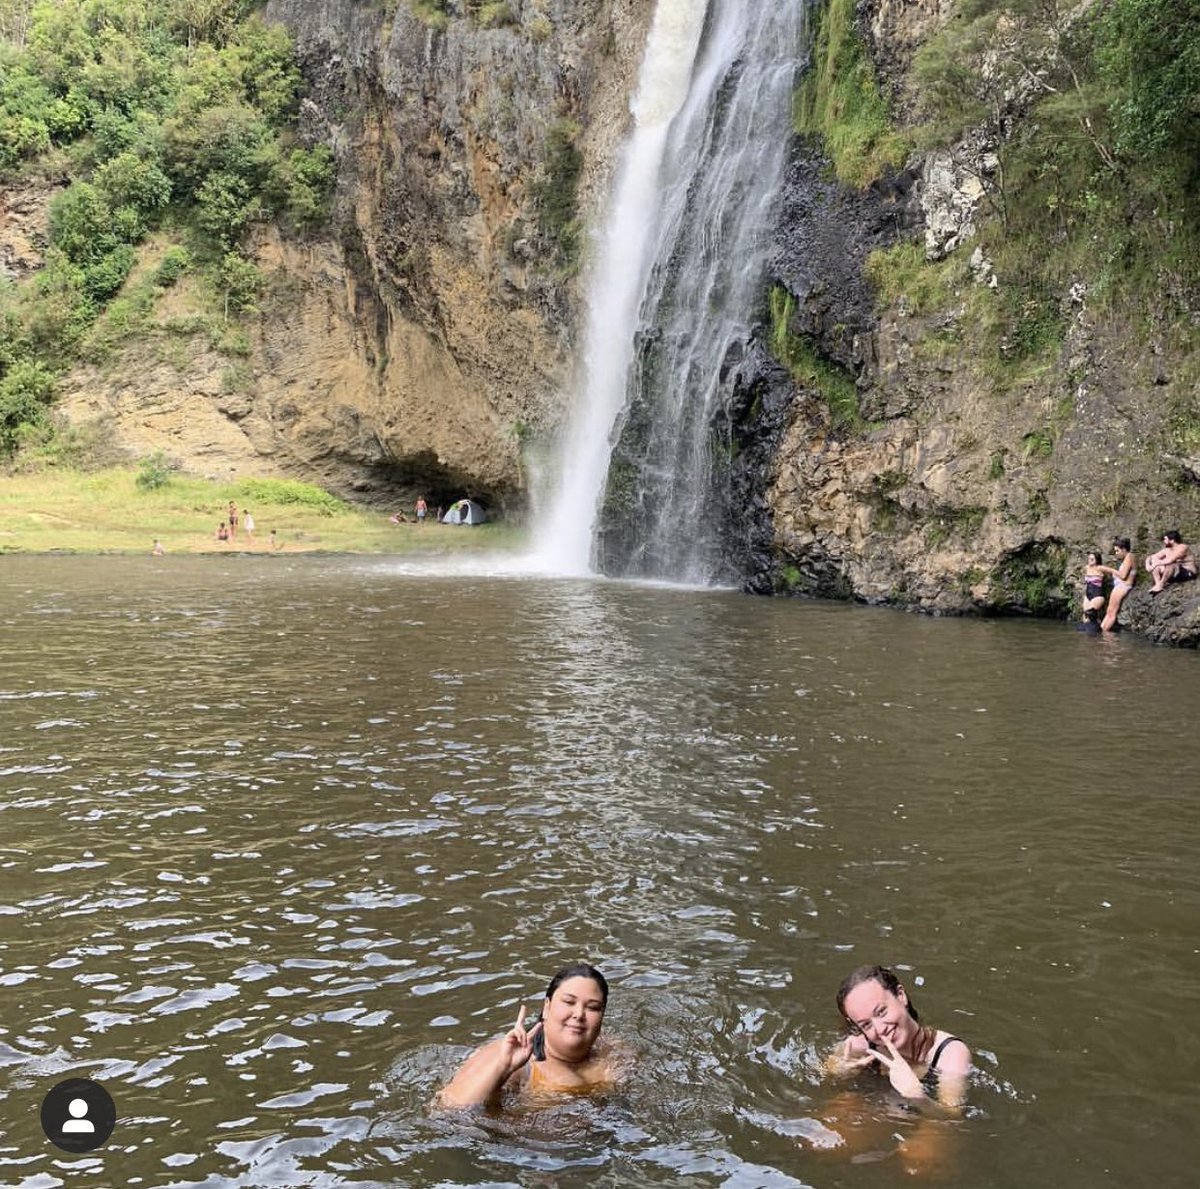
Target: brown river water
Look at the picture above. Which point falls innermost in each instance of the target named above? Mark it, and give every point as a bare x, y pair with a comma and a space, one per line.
282, 838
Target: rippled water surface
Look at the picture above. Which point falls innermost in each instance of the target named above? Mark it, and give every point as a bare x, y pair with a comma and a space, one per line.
280, 839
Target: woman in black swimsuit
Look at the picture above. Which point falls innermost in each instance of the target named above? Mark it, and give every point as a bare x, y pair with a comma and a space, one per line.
886, 1032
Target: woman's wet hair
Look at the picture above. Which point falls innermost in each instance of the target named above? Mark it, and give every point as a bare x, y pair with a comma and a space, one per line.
865, 974
1094, 556
1121, 543
579, 970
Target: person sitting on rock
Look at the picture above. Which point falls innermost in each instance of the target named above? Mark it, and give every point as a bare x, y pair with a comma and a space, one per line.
1174, 562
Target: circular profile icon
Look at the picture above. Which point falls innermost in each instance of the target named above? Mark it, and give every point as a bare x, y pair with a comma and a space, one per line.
78, 1115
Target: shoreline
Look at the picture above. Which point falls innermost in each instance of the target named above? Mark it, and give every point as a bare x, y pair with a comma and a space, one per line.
291, 548
106, 512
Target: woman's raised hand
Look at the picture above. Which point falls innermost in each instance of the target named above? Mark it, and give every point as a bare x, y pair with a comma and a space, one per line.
853, 1057
900, 1073
516, 1047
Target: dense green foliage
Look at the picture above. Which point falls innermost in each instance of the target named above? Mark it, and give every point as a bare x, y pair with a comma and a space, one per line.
25, 390
1098, 181
169, 115
839, 100
290, 491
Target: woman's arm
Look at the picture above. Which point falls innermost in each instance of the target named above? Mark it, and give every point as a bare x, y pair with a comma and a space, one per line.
483, 1074
953, 1071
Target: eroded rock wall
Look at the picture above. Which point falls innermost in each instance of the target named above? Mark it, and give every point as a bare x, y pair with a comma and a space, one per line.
964, 487
429, 328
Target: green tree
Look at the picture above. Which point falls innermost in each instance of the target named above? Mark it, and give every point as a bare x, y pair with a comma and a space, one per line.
263, 58
24, 100
129, 180
60, 43
103, 277
60, 310
225, 206
302, 183
225, 139
81, 223
1149, 54
208, 20
14, 20
25, 391
240, 282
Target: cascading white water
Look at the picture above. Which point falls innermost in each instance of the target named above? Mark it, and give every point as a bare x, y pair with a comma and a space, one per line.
617, 285
679, 264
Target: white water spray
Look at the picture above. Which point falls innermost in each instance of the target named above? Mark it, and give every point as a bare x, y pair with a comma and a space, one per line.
618, 282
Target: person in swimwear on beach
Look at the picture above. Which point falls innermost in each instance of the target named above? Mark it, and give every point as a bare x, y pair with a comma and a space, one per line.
886, 1033
561, 1053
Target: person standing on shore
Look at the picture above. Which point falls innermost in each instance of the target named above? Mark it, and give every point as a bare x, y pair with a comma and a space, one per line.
248, 523
422, 509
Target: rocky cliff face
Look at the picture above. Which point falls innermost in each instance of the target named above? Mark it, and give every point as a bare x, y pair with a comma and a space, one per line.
963, 487
413, 345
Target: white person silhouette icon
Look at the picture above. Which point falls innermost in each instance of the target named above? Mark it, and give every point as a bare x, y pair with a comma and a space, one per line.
78, 1123
78, 1115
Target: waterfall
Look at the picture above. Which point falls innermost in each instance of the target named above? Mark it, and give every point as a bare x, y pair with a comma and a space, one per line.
674, 291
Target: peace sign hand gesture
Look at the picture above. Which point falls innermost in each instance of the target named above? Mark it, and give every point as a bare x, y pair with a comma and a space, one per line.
900, 1073
516, 1046
855, 1055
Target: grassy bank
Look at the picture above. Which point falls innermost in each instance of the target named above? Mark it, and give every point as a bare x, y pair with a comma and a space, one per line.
107, 512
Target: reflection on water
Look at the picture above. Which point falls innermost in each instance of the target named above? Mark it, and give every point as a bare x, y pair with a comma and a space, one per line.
283, 838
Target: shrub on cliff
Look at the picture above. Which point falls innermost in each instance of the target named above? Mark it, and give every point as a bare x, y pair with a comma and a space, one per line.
556, 192
26, 390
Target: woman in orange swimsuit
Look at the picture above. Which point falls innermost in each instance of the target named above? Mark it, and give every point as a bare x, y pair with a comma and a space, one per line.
561, 1053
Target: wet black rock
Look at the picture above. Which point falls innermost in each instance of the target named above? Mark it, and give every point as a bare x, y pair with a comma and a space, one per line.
1171, 617
825, 234
760, 412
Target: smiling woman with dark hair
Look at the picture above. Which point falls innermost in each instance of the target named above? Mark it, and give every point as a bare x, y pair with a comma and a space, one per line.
886, 1032
561, 1053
